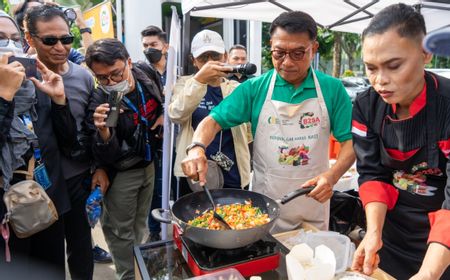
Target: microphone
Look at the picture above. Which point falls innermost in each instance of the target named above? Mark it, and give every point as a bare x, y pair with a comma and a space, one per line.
438, 41
246, 69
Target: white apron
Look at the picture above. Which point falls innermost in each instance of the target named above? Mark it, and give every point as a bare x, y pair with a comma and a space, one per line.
291, 146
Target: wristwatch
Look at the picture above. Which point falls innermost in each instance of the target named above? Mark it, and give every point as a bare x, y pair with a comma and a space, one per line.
195, 144
84, 30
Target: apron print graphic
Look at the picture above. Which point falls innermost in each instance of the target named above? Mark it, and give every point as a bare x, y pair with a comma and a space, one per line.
293, 156
415, 182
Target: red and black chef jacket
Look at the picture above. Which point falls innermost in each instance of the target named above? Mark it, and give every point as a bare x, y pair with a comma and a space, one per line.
405, 164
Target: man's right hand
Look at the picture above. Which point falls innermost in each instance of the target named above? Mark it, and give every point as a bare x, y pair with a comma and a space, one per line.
100, 114
11, 77
211, 71
195, 165
366, 258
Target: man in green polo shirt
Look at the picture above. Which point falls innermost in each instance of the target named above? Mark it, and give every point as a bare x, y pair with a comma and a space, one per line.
293, 110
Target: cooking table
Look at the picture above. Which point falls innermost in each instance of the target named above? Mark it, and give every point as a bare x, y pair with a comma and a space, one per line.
162, 260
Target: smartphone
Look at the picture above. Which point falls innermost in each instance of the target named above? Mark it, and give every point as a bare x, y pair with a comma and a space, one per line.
28, 63
114, 99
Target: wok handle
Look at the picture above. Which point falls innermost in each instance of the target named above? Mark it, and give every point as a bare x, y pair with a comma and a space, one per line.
290, 196
157, 215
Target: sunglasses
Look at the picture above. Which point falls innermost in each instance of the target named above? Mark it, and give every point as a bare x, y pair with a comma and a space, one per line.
204, 57
295, 55
5, 42
52, 40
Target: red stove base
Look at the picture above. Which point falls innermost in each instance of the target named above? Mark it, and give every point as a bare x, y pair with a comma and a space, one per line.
248, 268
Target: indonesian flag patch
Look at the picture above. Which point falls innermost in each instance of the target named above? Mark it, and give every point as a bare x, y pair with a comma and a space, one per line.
359, 129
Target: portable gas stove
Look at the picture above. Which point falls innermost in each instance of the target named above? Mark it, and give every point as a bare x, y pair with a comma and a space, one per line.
253, 259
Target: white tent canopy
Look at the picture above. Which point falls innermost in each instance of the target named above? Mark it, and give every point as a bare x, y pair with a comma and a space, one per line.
339, 15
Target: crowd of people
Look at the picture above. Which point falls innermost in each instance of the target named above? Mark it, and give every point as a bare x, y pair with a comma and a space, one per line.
96, 120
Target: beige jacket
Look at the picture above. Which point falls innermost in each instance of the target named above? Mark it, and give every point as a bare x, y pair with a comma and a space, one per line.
187, 95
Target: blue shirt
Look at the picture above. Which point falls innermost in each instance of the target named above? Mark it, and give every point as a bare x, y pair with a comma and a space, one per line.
211, 99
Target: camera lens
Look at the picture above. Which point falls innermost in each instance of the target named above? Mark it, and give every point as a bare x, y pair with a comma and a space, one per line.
70, 14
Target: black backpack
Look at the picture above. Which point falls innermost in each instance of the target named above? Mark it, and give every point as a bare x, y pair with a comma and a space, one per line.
346, 212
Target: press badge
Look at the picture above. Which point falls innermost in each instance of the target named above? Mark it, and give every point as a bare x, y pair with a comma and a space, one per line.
40, 172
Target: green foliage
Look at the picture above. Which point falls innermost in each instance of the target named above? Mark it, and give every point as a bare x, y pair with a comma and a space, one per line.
348, 73
351, 43
439, 62
4, 5
83, 4
266, 60
326, 42
76, 33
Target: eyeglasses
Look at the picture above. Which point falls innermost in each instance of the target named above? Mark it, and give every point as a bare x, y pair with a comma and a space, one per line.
5, 42
115, 77
296, 55
52, 40
204, 57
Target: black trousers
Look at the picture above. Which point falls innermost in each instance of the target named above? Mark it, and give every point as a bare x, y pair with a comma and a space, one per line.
77, 230
40, 256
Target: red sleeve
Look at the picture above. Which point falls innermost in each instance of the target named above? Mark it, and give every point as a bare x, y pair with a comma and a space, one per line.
377, 191
440, 227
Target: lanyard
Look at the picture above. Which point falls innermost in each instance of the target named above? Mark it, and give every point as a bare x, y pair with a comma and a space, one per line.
144, 120
28, 123
134, 108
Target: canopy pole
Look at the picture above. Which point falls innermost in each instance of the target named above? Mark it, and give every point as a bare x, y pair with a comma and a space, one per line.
174, 48
186, 41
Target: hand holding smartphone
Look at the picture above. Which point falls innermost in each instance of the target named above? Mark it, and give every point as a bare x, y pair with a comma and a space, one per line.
114, 100
28, 63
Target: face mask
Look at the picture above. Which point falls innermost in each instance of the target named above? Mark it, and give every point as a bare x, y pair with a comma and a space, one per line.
11, 47
153, 55
123, 86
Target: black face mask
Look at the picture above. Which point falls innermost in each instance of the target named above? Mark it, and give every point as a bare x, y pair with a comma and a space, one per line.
153, 55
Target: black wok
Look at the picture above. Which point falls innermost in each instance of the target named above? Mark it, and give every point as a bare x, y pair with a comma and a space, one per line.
187, 208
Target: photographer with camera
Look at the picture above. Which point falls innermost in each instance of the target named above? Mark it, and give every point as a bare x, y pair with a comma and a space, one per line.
193, 99
126, 110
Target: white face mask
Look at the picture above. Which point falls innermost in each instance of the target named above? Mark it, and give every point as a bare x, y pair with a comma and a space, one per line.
11, 47
123, 86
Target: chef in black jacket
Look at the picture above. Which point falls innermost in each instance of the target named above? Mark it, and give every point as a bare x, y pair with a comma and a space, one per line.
401, 136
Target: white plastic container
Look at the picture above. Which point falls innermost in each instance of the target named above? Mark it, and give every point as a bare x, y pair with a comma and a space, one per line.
340, 244
226, 274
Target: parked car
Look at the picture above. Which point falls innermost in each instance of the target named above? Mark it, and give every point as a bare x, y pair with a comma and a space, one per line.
441, 72
353, 89
361, 81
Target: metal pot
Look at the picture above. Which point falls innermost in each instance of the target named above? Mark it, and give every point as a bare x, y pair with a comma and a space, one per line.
187, 208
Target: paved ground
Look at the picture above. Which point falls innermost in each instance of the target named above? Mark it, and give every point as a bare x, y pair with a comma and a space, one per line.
102, 271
